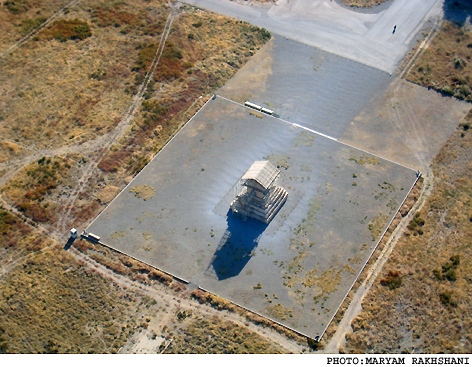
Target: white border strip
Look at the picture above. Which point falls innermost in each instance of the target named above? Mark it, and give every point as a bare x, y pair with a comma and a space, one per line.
321, 134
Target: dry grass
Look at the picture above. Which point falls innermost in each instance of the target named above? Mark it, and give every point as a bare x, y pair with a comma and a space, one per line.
445, 64
429, 311
34, 190
363, 3
50, 303
9, 150
66, 88
21, 16
203, 335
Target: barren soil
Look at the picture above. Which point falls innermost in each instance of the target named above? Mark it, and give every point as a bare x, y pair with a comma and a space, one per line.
65, 103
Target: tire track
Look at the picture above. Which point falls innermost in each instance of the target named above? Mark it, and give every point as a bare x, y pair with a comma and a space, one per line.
35, 31
123, 125
179, 301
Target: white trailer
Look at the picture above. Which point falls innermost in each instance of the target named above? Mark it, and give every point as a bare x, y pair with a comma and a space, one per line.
252, 105
267, 111
93, 237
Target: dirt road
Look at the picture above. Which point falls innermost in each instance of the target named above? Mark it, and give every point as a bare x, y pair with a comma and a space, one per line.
182, 301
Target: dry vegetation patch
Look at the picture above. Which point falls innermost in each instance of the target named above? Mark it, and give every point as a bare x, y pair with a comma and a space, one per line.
428, 311
216, 336
9, 150
69, 84
50, 303
445, 64
32, 189
363, 3
18, 17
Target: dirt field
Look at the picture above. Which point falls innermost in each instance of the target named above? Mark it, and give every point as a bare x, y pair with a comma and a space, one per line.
64, 97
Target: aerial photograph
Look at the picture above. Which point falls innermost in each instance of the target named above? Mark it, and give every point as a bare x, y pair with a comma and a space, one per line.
237, 177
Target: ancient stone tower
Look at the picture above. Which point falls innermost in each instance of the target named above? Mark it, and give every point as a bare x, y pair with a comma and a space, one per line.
259, 198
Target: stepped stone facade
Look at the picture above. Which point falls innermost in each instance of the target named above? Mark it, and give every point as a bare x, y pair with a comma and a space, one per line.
259, 198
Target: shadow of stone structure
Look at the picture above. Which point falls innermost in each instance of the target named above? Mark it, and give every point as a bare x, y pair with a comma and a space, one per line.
236, 247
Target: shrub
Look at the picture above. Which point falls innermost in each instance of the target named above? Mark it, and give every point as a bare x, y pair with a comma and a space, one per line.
448, 270
446, 299
17, 6
415, 224
160, 277
64, 30
264, 35
313, 344
393, 280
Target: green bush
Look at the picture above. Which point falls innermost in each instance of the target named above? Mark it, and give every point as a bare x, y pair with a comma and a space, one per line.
17, 6
448, 270
415, 224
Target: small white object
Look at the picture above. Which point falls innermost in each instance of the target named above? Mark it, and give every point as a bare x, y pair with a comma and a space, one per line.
94, 237
73, 233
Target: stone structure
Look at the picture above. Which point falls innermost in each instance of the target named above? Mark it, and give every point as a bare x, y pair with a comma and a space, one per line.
259, 198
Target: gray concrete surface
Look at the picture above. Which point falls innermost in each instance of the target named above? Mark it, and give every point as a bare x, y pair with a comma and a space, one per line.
296, 270
365, 38
316, 89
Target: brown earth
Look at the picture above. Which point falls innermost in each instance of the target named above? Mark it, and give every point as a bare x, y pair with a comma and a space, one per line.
63, 99
445, 64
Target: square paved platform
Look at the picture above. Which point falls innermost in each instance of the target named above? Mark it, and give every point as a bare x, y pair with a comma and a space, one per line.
296, 270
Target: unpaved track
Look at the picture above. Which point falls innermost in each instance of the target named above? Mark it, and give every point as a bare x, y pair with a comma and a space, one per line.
121, 128
35, 31
183, 301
